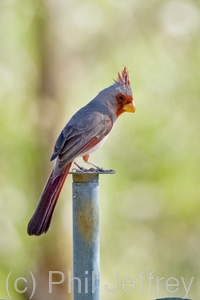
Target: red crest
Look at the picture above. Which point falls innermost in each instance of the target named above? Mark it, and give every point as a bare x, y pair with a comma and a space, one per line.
123, 78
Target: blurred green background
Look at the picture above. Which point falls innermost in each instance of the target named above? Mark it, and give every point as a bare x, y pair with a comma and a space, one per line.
55, 56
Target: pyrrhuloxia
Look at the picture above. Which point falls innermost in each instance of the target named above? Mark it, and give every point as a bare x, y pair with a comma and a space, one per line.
86, 131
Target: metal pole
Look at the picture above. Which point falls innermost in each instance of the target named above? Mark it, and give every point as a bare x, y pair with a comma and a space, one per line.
86, 261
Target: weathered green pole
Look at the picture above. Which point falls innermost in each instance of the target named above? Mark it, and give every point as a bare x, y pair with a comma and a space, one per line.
86, 261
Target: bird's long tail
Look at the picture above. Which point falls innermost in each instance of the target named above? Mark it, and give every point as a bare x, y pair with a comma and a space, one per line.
41, 219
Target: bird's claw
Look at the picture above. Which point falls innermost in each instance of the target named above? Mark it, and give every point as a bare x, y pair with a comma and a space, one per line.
110, 171
93, 170
101, 170
80, 169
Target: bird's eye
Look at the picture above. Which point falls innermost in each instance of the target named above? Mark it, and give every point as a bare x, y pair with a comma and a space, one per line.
120, 97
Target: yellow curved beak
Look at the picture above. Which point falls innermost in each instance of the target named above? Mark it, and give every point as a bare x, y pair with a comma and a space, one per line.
130, 107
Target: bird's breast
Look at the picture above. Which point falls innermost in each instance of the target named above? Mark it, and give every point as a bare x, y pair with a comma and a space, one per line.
97, 146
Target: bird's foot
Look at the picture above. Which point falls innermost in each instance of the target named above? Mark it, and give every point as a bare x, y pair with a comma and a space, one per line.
100, 170
95, 169
80, 168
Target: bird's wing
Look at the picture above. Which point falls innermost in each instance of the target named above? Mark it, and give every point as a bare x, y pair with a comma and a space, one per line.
80, 135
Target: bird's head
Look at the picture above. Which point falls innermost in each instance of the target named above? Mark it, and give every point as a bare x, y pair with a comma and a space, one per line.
119, 96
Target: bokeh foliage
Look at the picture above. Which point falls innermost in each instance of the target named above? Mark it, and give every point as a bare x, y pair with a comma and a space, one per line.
55, 56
